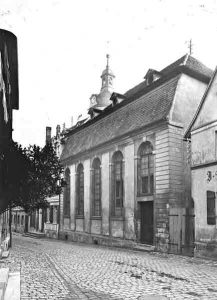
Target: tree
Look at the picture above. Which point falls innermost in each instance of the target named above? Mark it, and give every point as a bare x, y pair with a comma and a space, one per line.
31, 176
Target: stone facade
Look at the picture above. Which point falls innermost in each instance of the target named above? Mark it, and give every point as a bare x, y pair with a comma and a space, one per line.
154, 113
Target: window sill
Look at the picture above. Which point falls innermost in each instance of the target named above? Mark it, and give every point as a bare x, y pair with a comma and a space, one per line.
79, 217
66, 216
117, 218
148, 197
96, 218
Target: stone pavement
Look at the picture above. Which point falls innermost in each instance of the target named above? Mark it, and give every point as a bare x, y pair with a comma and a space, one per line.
55, 270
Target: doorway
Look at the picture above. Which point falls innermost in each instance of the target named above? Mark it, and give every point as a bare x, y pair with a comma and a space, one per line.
147, 222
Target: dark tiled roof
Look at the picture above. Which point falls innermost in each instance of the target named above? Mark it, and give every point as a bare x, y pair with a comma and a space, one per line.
151, 107
197, 66
191, 63
186, 60
181, 61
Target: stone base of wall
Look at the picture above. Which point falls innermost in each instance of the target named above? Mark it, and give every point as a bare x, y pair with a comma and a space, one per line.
51, 234
82, 237
18, 229
206, 249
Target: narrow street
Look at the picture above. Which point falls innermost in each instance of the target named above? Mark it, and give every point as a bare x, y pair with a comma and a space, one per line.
53, 269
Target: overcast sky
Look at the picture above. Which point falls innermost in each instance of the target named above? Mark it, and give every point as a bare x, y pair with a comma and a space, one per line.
62, 48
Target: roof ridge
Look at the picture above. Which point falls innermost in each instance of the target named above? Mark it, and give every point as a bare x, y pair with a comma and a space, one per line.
186, 58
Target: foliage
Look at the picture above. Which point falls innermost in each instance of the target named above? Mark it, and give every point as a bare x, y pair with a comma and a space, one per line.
33, 174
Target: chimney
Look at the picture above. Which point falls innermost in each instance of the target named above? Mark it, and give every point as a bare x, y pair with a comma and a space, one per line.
71, 121
48, 135
58, 130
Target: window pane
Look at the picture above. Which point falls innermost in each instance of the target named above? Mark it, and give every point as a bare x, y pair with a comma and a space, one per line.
66, 208
80, 191
151, 184
118, 189
211, 214
145, 185
117, 181
151, 164
97, 192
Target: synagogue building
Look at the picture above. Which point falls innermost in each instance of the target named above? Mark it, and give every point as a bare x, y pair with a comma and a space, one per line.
126, 165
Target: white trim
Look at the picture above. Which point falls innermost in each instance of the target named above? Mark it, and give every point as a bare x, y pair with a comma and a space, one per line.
205, 127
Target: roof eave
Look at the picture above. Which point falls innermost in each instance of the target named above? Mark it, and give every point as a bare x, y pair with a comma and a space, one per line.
161, 120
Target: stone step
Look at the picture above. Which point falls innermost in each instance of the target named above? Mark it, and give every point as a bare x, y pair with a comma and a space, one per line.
144, 247
5, 254
36, 235
12, 291
4, 273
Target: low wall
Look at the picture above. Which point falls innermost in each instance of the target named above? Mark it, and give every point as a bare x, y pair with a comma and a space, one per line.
51, 230
81, 237
206, 249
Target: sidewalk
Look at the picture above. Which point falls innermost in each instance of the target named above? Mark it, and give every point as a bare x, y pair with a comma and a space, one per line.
9, 281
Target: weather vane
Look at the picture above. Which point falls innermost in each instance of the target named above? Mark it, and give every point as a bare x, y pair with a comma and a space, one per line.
190, 47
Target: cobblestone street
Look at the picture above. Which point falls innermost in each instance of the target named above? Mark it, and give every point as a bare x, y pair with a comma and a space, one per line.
61, 270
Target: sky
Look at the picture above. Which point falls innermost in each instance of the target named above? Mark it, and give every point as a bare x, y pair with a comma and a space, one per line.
62, 47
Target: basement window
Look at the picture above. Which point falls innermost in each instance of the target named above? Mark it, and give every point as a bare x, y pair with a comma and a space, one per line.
211, 214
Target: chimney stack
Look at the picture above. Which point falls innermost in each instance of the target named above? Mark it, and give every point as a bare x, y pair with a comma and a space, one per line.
48, 135
71, 121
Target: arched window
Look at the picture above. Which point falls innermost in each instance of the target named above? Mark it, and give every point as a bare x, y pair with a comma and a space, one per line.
96, 188
80, 190
145, 169
66, 206
117, 184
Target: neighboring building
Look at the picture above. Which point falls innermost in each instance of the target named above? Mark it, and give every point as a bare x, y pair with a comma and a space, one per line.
47, 220
128, 179
19, 220
203, 135
51, 225
9, 100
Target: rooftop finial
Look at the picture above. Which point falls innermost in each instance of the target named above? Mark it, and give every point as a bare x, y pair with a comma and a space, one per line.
190, 47
107, 56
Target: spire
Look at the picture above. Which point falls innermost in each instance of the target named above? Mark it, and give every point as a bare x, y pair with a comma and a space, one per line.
107, 56
107, 77
100, 101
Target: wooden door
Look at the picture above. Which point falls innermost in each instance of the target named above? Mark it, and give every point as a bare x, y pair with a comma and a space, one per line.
147, 222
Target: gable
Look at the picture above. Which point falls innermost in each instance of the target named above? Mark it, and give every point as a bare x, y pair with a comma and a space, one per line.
189, 93
207, 111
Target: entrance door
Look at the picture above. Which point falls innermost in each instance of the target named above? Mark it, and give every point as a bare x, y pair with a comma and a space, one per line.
147, 222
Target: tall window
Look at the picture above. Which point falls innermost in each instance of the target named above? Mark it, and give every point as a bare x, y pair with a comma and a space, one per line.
66, 206
145, 169
211, 213
96, 187
117, 184
80, 190
216, 145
